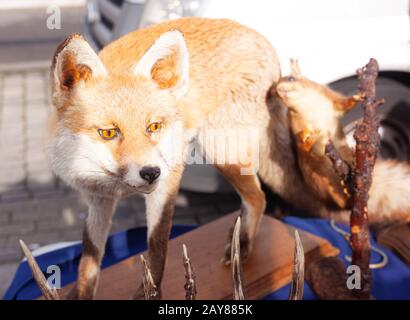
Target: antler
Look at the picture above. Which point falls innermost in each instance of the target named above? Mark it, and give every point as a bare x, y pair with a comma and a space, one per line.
48, 293
190, 284
150, 289
238, 293
298, 276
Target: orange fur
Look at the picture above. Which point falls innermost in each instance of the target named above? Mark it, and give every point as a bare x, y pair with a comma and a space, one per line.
142, 78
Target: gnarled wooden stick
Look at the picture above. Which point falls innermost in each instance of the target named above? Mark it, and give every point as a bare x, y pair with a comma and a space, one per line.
367, 146
48, 293
358, 178
238, 293
298, 275
150, 289
190, 283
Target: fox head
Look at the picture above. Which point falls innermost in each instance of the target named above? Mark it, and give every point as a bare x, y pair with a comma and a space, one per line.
117, 133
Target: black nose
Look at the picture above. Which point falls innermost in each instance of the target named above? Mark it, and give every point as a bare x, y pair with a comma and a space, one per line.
150, 174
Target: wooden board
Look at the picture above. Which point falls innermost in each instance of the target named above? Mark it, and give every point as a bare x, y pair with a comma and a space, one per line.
268, 269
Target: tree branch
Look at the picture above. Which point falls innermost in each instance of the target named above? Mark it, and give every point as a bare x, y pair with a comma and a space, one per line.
358, 178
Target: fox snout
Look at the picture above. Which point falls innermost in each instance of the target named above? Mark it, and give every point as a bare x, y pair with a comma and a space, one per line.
137, 177
150, 174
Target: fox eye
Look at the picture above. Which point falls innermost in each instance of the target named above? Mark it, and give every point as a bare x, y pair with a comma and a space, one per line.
290, 78
154, 127
108, 134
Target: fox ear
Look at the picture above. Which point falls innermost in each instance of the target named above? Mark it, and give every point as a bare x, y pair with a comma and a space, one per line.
74, 60
294, 67
166, 62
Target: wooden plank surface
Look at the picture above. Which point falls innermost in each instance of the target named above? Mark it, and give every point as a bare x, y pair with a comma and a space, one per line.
268, 269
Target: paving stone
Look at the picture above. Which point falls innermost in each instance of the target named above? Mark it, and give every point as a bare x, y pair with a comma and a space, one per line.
12, 159
41, 213
67, 219
8, 255
36, 114
13, 80
34, 106
14, 229
39, 239
72, 234
3, 240
7, 272
38, 165
14, 177
15, 194
120, 225
11, 130
5, 217
40, 180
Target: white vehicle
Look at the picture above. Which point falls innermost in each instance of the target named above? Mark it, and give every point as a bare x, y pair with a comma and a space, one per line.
330, 38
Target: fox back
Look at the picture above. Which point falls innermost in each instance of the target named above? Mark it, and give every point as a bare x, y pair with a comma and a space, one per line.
137, 104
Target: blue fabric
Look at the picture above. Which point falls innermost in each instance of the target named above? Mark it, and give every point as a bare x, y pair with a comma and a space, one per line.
119, 246
390, 282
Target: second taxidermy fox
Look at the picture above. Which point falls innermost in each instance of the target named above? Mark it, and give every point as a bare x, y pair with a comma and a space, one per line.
314, 116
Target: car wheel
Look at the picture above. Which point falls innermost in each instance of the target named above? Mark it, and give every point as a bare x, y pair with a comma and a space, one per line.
395, 116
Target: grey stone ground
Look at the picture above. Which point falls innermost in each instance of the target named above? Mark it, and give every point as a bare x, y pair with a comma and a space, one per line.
36, 206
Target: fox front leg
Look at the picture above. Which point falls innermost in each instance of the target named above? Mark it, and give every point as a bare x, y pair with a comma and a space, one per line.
159, 211
97, 226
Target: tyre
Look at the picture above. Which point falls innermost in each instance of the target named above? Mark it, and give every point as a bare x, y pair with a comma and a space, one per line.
395, 115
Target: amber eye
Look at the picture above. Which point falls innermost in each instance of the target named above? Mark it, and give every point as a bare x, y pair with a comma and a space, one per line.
154, 127
108, 134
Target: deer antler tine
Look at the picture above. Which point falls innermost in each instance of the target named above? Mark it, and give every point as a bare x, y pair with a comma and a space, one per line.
150, 289
48, 293
190, 284
296, 290
238, 293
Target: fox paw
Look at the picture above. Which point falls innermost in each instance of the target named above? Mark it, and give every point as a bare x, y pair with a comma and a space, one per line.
140, 294
246, 250
75, 294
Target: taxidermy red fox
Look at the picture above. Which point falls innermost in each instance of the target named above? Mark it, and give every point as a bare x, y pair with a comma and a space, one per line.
120, 117
314, 116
